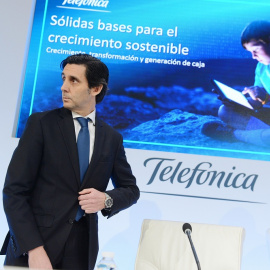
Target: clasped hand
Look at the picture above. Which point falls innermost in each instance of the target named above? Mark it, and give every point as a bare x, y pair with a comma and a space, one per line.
91, 200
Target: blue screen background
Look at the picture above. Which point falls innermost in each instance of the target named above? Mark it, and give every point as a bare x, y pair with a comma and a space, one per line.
155, 106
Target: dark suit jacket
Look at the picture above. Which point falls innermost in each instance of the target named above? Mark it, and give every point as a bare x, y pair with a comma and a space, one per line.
41, 189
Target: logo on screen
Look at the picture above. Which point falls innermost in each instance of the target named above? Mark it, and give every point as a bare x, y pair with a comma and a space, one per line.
87, 3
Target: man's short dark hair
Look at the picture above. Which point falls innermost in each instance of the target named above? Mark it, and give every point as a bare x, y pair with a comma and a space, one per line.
256, 30
96, 74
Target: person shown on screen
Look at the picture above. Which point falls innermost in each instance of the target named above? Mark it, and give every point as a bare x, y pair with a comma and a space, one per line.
240, 124
52, 193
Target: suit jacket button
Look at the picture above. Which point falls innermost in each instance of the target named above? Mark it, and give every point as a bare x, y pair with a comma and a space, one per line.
71, 221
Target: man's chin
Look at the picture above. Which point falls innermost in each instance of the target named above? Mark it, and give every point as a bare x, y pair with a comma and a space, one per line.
67, 106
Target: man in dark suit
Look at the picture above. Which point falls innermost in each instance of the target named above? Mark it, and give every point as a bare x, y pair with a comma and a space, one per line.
51, 205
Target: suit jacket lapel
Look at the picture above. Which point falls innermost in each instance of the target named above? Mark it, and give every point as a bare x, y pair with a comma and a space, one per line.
66, 125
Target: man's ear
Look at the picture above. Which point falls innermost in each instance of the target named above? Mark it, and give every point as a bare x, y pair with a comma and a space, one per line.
95, 90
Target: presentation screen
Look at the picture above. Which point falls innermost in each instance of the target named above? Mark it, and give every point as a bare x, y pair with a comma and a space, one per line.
162, 57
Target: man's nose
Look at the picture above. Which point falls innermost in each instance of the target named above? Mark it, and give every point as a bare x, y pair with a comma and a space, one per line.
64, 86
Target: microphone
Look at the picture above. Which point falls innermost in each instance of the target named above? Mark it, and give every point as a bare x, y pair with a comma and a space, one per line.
187, 230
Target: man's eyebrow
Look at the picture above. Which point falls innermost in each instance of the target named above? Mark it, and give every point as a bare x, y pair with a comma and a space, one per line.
74, 78
71, 77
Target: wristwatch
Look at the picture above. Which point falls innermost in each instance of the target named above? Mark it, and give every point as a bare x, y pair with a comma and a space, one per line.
108, 202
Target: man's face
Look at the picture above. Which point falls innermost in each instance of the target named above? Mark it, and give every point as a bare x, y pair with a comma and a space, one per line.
76, 94
259, 51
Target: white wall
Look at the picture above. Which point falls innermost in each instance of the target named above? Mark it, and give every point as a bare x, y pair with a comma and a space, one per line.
14, 21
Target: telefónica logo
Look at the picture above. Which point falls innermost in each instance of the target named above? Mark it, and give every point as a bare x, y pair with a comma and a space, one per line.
86, 3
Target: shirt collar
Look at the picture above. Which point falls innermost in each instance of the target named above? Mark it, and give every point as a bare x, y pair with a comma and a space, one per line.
91, 115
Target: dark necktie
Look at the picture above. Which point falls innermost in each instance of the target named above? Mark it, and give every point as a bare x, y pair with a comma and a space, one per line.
83, 145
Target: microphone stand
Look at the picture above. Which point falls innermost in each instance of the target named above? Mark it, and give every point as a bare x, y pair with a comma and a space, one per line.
193, 249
